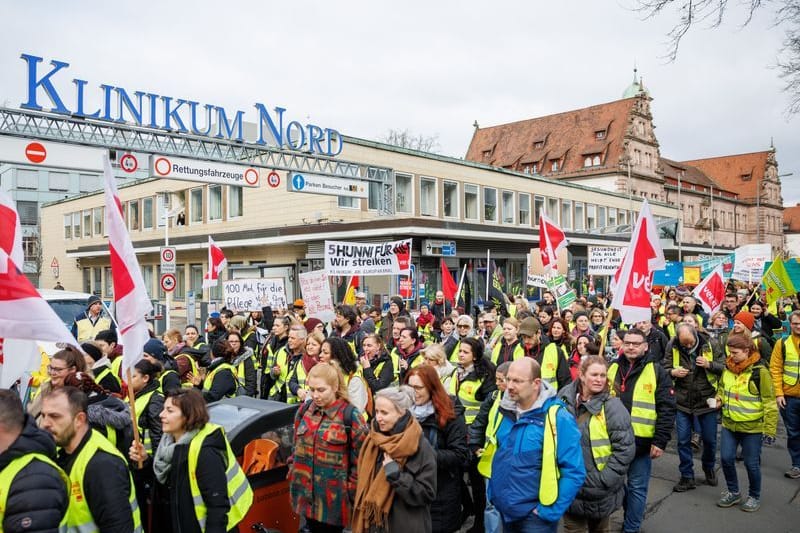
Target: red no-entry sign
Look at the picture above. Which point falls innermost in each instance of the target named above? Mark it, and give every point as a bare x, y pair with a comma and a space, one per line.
35, 152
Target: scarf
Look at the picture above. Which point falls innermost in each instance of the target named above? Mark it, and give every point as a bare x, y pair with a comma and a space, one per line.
103, 361
374, 494
162, 460
421, 412
308, 362
738, 368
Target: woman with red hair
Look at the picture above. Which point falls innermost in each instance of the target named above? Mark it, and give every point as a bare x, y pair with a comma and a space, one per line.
446, 432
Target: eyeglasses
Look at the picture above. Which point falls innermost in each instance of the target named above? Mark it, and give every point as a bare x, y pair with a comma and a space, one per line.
629, 343
417, 387
56, 370
463, 326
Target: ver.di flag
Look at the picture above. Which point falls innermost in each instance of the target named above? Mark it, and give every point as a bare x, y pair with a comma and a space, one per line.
711, 291
216, 263
777, 282
551, 240
634, 278
131, 301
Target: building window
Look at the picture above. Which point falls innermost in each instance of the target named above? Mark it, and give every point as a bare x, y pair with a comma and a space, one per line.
552, 209
535, 168
180, 282
97, 281
30, 249
67, 226
214, 202
348, 202
612, 216
28, 212
508, 207
580, 217
524, 209
161, 210
554, 165
87, 223
196, 205
538, 144
596, 160
196, 279
600, 135
88, 182
587, 162
427, 197
622, 217
236, 201
592, 160
373, 195
147, 213
58, 181
147, 277
76, 225
108, 283
601, 216
133, 214
402, 193
450, 189
87, 280
490, 204
591, 216
97, 213
566, 214
746, 177
538, 207
470, 201
27, 179
487, 154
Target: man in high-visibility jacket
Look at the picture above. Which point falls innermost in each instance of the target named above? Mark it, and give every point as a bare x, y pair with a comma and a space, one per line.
538, 466
784, 367
102, 497
91, 322
645, 389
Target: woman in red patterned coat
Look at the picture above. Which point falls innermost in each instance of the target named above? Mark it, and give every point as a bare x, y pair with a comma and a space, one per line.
328, 435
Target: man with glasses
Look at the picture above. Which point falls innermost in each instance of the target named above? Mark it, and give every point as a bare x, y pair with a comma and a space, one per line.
645, 389
785, 370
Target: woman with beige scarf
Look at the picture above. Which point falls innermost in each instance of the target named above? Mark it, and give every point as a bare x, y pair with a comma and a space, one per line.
396, 469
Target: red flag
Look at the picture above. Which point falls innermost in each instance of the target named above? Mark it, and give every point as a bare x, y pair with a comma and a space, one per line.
10, 232
216, 262
711, 291
131, 301
449, 285
350, 293
551, 240
635, 275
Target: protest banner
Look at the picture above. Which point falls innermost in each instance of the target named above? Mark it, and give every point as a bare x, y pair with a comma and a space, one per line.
536, 275
749, 262
604, 260
253, 294
367, 259
563, 293
316, 291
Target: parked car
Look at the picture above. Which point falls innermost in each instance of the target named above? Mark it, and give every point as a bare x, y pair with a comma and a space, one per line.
66, 304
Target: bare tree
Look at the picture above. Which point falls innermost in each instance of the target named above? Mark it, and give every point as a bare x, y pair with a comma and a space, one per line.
406, 139
786, 14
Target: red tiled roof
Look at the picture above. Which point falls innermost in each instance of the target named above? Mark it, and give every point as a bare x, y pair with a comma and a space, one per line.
791, 219
691, 174
568, 134
728, 171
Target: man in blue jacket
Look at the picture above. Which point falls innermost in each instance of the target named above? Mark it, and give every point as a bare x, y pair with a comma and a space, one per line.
538, 467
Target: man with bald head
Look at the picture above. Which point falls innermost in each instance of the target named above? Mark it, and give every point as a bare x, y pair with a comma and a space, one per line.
530, 488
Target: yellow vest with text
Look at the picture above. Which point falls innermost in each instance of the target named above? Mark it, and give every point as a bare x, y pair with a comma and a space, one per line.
467, 392
210, 377
550, 364
791, 363
240, 495
9, 473
740, 401
80, 518
643, 406
88, 331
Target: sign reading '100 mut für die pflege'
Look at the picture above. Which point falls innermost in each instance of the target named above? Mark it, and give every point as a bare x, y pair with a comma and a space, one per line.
151, 110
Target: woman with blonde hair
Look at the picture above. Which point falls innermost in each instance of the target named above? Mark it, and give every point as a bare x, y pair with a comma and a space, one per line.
328, 434
435, 357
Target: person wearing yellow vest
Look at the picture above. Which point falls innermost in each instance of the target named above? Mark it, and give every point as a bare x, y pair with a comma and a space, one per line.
244, 361
220, 379
33, 490
553, 358
380, 368
749, 416
107, 341
689, 304
645, 389
507, 347
409, 346
284, 362
538, 467
91, 322
695, 366
607, 443
208, 490
464, 329
784, 368
100, 368
337, 350
482, 433
102, 497
673, 318
298, 380
434, 356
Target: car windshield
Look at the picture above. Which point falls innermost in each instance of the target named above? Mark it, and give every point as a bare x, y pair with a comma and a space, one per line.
229, 416
68, 309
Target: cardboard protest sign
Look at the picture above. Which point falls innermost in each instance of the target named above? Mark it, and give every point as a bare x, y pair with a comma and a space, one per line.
253, 294
536, 276
316, 293
605, 260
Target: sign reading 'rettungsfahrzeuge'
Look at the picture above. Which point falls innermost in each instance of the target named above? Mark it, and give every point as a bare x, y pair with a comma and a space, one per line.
367, 259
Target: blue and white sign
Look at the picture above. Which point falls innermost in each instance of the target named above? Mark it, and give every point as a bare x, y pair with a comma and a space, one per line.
316, 184
439, 248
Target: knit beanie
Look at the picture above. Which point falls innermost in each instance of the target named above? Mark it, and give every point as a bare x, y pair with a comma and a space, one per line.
745, 318
156, 348
92, 351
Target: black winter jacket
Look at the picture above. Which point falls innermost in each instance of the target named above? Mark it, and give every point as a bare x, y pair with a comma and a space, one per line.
38, 496
386, 375
223, 385
109, 413
664, 397
150, 418
452, 456
692, 391
211, 481
657, 343
476, 432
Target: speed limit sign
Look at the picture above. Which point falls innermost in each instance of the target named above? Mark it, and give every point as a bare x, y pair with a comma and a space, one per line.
167, 259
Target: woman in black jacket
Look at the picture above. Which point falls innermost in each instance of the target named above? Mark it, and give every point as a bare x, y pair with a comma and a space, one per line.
220, 379
378, 366
446, 432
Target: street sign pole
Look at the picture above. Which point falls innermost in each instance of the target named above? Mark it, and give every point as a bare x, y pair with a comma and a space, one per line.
166, 243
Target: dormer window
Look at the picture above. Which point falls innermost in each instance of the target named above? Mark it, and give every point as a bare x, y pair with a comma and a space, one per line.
746, 177
487, 154
592, 160
600, 135
538, 144
535, 168
554, 165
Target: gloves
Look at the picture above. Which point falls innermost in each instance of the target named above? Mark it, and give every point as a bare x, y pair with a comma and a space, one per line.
768, 440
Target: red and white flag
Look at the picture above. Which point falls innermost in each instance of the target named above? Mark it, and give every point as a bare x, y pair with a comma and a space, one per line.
551, 240
711, 291
10, 232
634, 277
216, 262
131, 301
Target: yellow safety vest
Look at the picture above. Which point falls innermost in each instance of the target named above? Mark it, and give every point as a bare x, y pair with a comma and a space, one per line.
300, 372
116, 365
161, 379
80, 518
548, 483
517, 353
740, 402
550, 364
711, 378
467, 391
490, 447
88, 331
282, 360
791, 363
599, 439
141, 403
671, 329
9, 473
454, 354
210, 377
643, 406
395, 359
107, 371
240, 495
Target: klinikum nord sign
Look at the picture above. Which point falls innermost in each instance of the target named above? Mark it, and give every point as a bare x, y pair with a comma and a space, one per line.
181, 115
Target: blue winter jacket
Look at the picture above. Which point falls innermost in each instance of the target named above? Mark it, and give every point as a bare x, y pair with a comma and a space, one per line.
517, 463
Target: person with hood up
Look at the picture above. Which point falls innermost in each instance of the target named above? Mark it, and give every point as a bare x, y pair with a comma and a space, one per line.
34, 494
538, 467
91, 321
409, 346
695, 368
100, 367
645, 389
607, 443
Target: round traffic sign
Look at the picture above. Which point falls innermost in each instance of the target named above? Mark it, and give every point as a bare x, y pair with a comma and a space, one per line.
251, 176
162, 166
128, 163
168, 282
167, 255
274, 179
35, 152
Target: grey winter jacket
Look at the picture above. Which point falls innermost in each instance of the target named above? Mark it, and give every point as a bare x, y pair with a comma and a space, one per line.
602, 491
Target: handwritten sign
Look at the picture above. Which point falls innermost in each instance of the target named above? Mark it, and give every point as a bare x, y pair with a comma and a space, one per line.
604, 260
253, 294
316, 293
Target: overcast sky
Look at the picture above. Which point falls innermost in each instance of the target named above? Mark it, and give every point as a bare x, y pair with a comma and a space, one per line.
430, 67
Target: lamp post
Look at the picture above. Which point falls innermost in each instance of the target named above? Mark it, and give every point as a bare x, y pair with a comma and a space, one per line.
679, 229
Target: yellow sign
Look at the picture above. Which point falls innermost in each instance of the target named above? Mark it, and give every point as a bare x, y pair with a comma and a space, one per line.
691, 275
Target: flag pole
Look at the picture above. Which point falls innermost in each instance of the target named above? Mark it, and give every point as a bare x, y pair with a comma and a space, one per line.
134, 422
606, 329
460, 285
755, 291
488, 274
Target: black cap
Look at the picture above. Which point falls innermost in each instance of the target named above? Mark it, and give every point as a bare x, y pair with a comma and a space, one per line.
107, 335
92, 351
156, 348
92, 300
